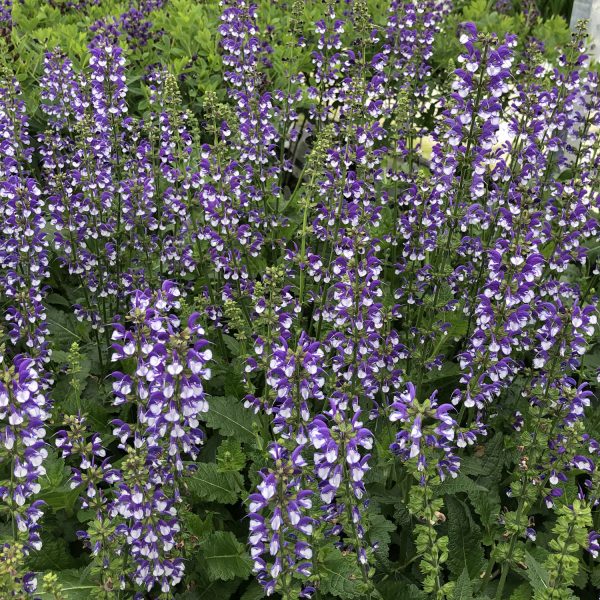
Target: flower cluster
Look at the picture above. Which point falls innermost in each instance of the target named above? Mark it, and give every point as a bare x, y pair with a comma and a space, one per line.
351, 228
166, 389
280, 528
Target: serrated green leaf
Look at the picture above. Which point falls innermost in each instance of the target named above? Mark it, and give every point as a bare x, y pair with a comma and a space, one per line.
230, 456
595, 577
207, 483
232, 344
341, 576
225, 557
464, 540
523, 592
487, 506
204, 589
255, 591
230, 418
536, 573
58, 300
55, 488
55, 555
489, 464
379, 533
463, 590
462, 483
196, 526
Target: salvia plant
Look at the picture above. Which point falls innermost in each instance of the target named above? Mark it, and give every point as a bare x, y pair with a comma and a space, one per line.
299, 300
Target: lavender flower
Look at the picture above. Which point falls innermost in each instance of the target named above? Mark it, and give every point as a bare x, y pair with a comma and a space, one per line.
280, 525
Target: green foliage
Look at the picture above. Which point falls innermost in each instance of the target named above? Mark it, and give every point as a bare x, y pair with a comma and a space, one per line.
340, 576
209, 484
464, 540
228, 416
68, 584
433, 538
563, 562
224, 557
379, 532
553, 31
11, 572
463, 590
230, 456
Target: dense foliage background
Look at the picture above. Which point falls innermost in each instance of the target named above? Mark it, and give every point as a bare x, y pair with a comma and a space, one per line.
298, 299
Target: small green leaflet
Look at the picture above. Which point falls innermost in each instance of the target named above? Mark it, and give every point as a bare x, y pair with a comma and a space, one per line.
75, 585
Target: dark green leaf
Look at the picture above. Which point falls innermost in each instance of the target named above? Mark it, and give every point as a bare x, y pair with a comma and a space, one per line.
341, 576
379, 532
464, 540
461, 484
536, 573
463, 589
225, 558
230, 418
400, 590
255, 591
207, 483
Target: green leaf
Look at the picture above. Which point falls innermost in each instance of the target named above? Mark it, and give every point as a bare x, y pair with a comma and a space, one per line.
55, 555
379, 532
460, 484
400, 590
204, 589
207, 483
232, 344
523, 592
75, 585
487, 506
230, 418
224, 557
64, 328
489, 464
341, 576
595, 576
536, 573
464, 540
56, 490
196, 526
58, 300
230, 456
255, 591
463, 590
